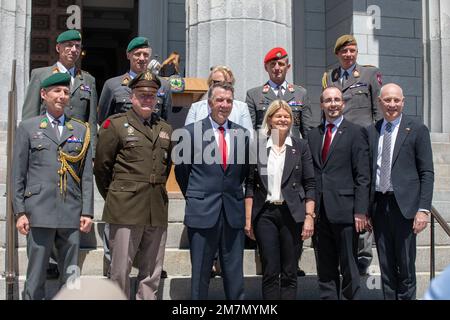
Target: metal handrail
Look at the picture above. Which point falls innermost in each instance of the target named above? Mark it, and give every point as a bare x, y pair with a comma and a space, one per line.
435, 215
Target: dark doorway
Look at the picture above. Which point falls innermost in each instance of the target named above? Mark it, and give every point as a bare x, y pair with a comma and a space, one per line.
108, 26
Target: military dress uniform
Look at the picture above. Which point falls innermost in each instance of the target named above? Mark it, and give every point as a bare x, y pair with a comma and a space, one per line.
131, 169
115, 98
258, 100
360, 92
52, 184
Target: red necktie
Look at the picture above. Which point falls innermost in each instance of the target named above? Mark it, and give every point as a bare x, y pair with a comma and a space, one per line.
327, 142
223, 147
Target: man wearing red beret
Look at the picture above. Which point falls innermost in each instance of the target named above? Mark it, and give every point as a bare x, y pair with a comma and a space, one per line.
276, 63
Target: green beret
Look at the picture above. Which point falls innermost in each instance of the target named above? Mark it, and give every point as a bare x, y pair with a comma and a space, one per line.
138, 42
62, 79
344, 40
145, 79
68, 36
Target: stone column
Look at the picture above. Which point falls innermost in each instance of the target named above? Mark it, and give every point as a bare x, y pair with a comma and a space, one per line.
436, 38
236, 33
15, 30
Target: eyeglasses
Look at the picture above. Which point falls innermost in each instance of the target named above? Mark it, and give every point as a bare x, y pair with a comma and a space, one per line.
329, 101
219, 81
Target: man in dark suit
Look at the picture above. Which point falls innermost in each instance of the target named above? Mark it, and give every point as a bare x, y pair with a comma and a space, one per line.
402, 190
276, 63
341, 165
360, 85
213, 167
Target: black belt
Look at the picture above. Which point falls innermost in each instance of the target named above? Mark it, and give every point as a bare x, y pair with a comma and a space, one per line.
276, 203
387, 193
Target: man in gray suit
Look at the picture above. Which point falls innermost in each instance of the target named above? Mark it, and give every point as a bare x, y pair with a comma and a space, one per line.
116, 95
52, 185
276, 63
360, 86
83, 93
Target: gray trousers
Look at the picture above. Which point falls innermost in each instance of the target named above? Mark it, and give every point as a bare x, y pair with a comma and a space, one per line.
125, 241
40, 242
365, 241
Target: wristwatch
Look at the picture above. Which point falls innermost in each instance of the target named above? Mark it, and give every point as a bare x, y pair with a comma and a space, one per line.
312, 214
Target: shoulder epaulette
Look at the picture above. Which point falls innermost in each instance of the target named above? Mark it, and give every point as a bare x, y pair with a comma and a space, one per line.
79, 121
369, 65
324, 80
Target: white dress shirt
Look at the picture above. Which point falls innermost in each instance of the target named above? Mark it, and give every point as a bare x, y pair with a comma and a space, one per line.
216, 126
275, 167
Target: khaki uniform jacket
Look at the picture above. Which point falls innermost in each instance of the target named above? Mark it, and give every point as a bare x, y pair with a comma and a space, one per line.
36, 182
360, 93
83, 98
258, 100
131, 169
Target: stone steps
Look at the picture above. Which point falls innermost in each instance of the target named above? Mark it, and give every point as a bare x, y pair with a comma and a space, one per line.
177, 261
178, 288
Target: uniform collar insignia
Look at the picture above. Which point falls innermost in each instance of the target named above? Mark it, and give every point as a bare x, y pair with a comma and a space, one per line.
44, 123
290, 87
55, 69
336, 75
125, 80
355, 73
266, 88
69, 125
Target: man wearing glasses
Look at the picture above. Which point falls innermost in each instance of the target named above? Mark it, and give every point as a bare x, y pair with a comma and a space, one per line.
83, 94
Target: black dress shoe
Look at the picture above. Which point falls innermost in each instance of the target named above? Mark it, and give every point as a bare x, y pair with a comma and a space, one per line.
52, 273
163, 274
300, 273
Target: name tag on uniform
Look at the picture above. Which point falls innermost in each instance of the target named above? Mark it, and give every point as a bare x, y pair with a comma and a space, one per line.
128, 138
164, 135
357, 85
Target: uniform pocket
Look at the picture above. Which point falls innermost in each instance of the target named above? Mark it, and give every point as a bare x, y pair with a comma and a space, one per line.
133, 151
32, 190
123, 186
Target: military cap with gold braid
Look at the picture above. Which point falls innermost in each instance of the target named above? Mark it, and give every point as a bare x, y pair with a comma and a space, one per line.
345, 40
145, 79
56, 79
69, 35
138, 42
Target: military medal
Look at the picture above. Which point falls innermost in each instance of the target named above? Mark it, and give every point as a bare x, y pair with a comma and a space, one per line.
44, 123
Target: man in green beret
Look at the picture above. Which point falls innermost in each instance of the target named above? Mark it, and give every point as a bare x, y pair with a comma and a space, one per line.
52, 185
83, 93
131, 169
116, 98
360, 86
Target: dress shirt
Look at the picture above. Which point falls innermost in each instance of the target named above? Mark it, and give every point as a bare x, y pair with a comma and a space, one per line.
275, 167
349, 71
61, 122
63, 69
336, 123
275, 87
394, 132
216, 126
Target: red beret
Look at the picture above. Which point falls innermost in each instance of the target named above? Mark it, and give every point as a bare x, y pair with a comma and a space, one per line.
275, 54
